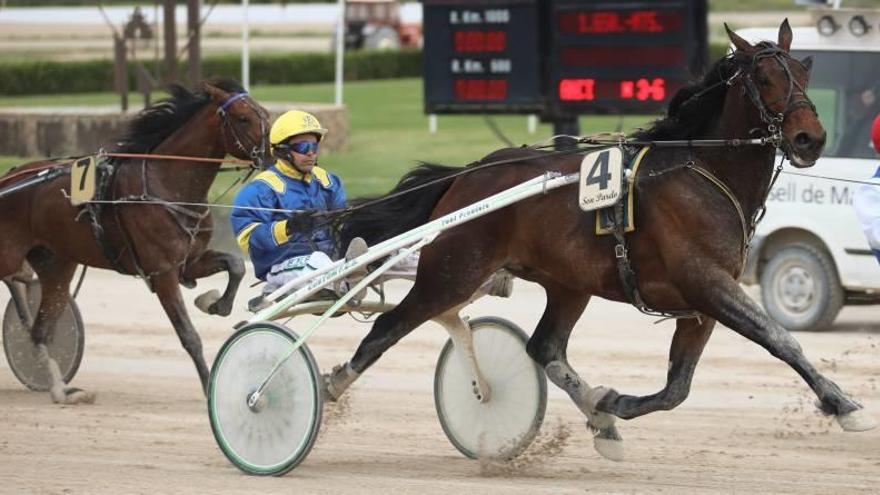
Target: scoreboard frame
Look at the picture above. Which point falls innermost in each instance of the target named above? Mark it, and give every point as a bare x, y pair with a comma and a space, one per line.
560, 58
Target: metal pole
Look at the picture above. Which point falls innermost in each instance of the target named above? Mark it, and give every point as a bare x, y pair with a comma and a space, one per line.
340, 50
194, 41
170, 42
245, 49
120, 70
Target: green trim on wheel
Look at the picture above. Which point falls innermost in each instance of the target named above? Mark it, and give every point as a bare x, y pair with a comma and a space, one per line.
526, 439
301, 451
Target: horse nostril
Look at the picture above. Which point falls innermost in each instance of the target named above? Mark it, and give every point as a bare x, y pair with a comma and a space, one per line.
802, 140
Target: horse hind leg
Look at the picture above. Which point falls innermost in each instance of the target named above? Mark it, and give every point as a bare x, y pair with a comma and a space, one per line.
447, 278
463, 339
547, 347
54, 276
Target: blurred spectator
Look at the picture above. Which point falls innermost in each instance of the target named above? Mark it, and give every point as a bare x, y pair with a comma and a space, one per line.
867, 199
861, 109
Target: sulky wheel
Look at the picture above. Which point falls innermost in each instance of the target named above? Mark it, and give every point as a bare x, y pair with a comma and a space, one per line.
504, 426
273, 435
65, 344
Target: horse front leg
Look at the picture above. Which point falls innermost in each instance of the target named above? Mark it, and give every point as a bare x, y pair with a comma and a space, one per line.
721, 297
547, 347
167, 289
687, 346
209, 263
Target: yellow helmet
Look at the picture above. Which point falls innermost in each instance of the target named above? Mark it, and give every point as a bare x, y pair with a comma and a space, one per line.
295, 122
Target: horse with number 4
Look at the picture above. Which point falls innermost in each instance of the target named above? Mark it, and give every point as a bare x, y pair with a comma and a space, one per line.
679, 224
137, 213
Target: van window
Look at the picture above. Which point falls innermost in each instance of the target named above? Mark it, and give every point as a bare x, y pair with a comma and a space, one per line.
845, 88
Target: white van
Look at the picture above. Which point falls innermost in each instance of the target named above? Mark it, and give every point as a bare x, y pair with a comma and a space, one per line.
809, 254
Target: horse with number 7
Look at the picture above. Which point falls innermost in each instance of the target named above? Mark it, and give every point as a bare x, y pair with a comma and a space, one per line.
148, 217
695, 207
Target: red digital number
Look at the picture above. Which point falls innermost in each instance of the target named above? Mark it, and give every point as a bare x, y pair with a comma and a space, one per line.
480, 89
643, 89
614, 22
577, 89
480, 41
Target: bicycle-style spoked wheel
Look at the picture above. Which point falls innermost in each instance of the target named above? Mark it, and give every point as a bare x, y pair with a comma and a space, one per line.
274, 435
506, 424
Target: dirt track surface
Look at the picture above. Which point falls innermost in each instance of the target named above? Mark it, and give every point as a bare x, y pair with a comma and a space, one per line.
748, 426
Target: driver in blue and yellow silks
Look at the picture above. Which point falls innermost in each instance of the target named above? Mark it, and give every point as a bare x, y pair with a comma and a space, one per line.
294, 182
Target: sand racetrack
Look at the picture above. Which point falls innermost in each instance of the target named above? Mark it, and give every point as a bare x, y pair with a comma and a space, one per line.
748, 425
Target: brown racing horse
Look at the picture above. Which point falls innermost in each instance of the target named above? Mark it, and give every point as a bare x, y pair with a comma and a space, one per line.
147, 234
688, 251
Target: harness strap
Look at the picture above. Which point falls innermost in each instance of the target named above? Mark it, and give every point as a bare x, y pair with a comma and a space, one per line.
727, 193
625, 271
93, 211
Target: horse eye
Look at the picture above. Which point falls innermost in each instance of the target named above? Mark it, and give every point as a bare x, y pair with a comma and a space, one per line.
243, 120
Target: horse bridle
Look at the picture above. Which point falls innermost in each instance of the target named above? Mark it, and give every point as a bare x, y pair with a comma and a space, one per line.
796, 96
257, 150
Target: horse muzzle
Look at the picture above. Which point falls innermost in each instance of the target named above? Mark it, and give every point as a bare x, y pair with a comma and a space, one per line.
805, 148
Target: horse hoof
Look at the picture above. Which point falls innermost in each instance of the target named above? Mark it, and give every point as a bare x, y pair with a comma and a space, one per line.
858, 420
326, 378
207, 302
598, 420
71, 396
609, 444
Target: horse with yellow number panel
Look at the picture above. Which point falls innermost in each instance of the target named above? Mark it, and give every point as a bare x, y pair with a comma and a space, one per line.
145, 218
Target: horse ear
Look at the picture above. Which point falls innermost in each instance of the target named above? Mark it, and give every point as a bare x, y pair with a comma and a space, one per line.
808, 63
737, 40
784, 36
216, 93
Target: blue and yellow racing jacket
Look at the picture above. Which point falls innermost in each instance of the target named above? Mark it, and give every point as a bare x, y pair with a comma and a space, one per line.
262, 235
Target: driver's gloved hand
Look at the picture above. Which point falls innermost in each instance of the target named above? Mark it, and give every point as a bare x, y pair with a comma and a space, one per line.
302, 221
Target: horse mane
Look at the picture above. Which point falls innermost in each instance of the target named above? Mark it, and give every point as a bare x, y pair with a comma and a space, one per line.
695, 107
155, 123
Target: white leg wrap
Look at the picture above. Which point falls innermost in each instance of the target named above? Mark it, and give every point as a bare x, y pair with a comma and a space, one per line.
336, 383
56, 389
463, 339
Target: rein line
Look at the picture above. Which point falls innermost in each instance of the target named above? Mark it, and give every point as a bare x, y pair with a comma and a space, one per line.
587, 140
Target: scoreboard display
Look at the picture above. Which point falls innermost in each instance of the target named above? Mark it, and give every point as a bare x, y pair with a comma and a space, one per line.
560, 58
481, 56
622, 57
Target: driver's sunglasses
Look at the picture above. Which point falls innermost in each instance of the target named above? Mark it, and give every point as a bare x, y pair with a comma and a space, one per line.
303, 147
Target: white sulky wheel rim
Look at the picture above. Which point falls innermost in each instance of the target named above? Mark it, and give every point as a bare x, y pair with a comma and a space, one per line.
505, 426
65, 344
273, 440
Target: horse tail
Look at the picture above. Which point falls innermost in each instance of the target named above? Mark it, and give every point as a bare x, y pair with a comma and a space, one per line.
399, 213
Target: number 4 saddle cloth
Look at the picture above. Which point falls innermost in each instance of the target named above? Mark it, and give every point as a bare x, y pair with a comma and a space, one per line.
605, 220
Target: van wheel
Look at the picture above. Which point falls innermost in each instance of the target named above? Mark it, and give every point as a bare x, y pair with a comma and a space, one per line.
800, 289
